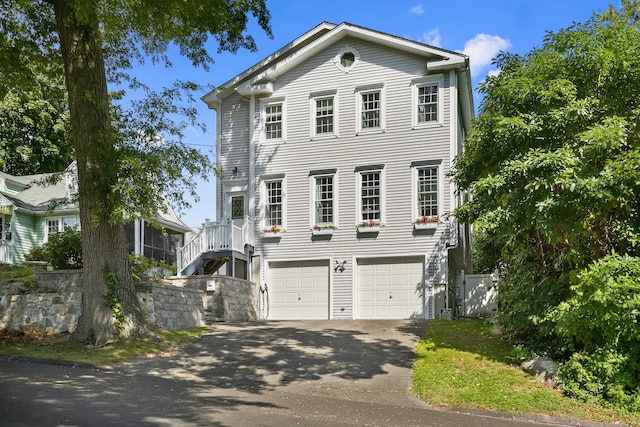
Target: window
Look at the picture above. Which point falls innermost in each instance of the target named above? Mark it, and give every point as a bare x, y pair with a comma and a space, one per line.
324, 113
273, 122
323, 200
427, 101
347, 58
273, 119
237, 207
324, 116
57, 225
274, 204
370, 108
371, 195
426, 189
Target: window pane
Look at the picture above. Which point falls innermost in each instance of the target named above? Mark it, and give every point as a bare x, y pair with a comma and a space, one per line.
273, 126
324, 200
370, 196
53, 226
273, 214
428, 104
371, 110
324, 116
68, 222
428, 192
237, 207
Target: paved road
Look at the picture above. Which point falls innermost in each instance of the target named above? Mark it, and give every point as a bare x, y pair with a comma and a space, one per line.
327, 373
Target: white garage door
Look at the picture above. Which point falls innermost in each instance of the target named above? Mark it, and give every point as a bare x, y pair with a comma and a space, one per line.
391, 288
299, 290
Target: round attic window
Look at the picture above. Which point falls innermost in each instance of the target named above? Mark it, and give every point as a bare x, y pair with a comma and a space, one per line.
347, 58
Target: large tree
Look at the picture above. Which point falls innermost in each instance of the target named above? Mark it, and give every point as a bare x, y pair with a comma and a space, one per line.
553, 163
126, 155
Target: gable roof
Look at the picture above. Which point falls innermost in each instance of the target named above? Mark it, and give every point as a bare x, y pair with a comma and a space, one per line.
258, 78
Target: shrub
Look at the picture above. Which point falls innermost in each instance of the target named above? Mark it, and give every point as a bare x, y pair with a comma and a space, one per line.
600, 323
63, 250
150, 268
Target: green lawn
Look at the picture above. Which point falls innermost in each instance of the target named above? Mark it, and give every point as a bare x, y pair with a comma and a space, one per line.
461, 363
61, 347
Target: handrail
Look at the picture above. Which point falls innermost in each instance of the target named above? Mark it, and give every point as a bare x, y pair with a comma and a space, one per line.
214, 237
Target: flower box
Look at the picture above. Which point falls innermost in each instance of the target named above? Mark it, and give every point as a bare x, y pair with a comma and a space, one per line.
425, 225
369, 227
426, 222
322, 231
272, 231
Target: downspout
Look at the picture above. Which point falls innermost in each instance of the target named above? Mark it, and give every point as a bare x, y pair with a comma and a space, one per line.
251, 186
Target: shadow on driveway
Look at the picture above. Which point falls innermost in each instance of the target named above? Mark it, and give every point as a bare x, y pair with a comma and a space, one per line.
258, 357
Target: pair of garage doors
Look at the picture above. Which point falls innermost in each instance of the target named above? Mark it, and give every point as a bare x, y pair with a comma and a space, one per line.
386, 288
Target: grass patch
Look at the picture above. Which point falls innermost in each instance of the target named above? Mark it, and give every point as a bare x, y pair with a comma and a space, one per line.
62, 347
463, 364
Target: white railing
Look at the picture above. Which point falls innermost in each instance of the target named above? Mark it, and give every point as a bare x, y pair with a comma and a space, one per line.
216, 237
5, 253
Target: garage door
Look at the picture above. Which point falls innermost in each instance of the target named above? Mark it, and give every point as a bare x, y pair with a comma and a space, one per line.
299, 290
391, 288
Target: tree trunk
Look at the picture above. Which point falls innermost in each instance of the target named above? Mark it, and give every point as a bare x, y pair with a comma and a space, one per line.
104, 245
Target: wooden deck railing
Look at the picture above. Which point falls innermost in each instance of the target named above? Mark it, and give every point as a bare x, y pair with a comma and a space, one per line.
215, 237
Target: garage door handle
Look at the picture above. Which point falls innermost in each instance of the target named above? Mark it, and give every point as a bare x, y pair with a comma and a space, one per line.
298, 297
390, 295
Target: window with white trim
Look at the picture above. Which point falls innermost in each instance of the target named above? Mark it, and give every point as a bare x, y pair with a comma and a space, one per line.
59, 224
371, 203
324, 116
426, 189
273, 203
323, 199
273, 117
427, 100
370, 108
347, 58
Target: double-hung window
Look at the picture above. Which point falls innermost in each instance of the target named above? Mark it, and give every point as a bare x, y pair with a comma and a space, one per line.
324, 114
371, 205
426, 191
273, 195
324, 196
370, 108
427, 101
273, 113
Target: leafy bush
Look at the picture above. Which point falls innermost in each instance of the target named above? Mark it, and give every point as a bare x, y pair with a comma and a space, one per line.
600, 323
150, 268
63, 250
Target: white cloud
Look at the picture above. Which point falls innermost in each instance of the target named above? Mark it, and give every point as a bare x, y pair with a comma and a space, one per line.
418, 10
433, 37
482, 49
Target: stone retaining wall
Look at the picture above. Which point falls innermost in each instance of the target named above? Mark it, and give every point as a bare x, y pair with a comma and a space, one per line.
52, 313
170, 307
233, 300
183, 302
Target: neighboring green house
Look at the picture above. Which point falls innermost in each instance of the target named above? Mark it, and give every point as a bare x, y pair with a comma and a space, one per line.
27, 219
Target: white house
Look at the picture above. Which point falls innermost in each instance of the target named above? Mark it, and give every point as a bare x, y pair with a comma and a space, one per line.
334, 193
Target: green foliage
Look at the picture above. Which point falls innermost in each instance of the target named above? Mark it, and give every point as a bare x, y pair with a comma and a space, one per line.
600, 322
143, 267
553, 165
63, 250
113, 300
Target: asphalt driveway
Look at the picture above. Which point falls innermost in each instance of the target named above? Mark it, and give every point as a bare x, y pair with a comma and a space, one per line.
351, 360
307, 373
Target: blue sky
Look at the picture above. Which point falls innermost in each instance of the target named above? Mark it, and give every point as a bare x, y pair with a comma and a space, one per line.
480, 29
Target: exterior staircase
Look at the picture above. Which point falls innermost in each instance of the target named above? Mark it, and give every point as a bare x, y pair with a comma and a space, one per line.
217, 244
